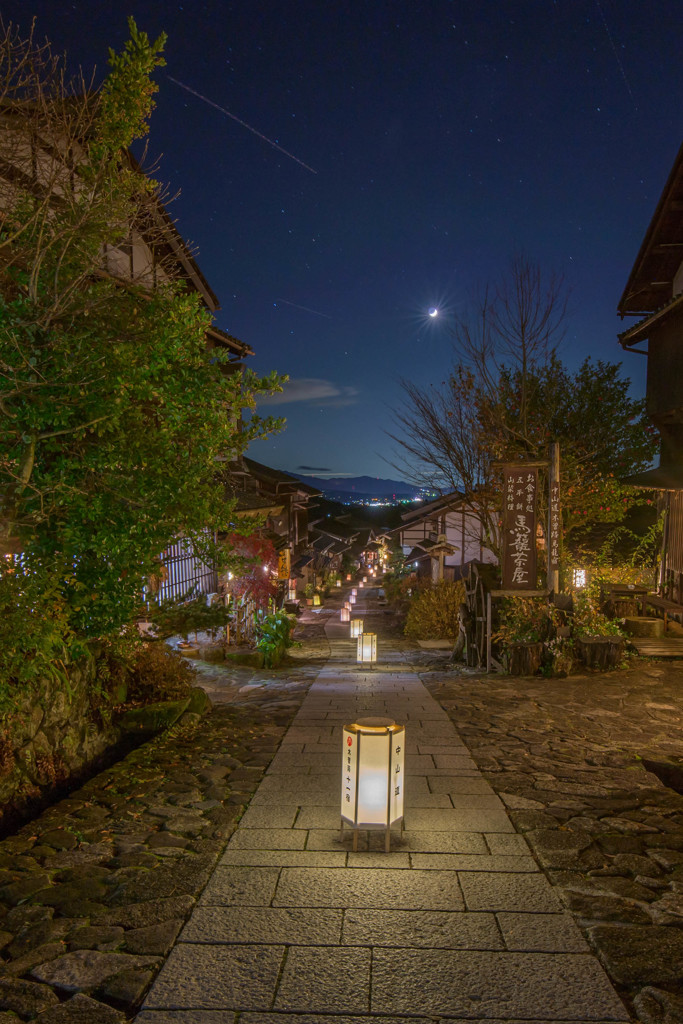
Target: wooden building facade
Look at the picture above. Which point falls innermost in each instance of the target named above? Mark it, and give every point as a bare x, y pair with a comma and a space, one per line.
654, 294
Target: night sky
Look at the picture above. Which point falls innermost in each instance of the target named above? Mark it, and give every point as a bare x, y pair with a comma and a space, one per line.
425, 142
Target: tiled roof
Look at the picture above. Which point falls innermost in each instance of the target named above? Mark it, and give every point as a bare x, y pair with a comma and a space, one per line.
641, 330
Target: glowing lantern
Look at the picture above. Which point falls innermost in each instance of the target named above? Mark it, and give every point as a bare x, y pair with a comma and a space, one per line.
348, 576
356, 628
347, 604
367, 649
316, 600
352, 598
338, 583
372, 776
291, 592
361, 584
579, 578
365, 579
354, 591
345, 615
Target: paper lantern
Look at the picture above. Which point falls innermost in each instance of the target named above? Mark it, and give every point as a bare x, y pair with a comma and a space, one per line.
316, 600
579, 578
354, 591
352, 598
345, 615
372, 788
291, 592
367, 649
338, 583
365, 579
356, 628
347, 604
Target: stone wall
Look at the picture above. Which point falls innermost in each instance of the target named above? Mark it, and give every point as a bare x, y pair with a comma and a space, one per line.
54, 735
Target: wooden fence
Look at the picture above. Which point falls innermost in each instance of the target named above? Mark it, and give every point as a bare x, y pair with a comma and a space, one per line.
184, 572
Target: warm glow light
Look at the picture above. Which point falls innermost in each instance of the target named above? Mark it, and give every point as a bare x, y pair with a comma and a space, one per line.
338, 583
356, 628
347, 604
345, 615
352, 598
579, 578
367, 649
316, 600
372, 775
354, 591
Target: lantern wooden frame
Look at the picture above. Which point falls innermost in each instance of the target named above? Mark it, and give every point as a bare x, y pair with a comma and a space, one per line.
366, 653
373, 777
355, 628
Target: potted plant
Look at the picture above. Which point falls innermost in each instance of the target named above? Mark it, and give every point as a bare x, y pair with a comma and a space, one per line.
599, 639
523, 629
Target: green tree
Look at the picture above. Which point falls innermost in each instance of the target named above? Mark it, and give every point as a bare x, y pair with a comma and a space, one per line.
115, 417
509, 395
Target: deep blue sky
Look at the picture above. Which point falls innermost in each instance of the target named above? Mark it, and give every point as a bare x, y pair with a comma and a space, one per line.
444, 136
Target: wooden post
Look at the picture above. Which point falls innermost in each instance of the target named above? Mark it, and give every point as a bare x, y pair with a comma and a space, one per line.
489, 614
553, 478
665, 547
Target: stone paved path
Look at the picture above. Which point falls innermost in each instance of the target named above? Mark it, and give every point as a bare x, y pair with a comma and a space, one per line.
457, 923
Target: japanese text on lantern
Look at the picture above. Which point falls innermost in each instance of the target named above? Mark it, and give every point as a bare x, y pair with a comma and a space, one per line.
350, 775
520, 485
396, 795
554, 527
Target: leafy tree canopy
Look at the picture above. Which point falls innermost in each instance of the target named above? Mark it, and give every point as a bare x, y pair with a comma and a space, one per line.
115, 416
509, 395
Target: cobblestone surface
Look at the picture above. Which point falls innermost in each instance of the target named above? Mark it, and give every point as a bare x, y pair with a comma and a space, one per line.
565, 756
94, 891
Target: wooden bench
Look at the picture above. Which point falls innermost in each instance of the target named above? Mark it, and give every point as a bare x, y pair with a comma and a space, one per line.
670, 609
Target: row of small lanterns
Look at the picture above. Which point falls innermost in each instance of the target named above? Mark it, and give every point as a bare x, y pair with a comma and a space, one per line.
373, 754
366, 651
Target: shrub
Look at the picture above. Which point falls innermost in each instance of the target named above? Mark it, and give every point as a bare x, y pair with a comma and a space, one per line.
589, 621
433, 611
158, 673
274, 637
523, 620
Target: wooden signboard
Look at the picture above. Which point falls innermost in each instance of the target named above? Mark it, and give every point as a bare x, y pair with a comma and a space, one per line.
554, 527
520, 486
283, 564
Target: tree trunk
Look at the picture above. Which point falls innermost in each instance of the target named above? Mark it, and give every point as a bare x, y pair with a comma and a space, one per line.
602, 652
524, 659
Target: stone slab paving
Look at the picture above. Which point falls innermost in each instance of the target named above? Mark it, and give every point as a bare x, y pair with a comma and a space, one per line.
457, 923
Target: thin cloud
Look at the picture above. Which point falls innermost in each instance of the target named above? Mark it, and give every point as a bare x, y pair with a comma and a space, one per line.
314, 469
312, 391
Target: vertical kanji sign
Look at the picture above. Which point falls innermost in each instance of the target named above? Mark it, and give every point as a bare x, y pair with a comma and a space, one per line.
520, 485
554, 529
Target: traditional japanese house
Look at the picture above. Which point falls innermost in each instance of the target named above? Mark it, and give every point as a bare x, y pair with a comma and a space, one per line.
442, 537
654, 294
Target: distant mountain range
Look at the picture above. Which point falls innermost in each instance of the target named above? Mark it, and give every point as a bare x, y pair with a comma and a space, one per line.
360, 486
